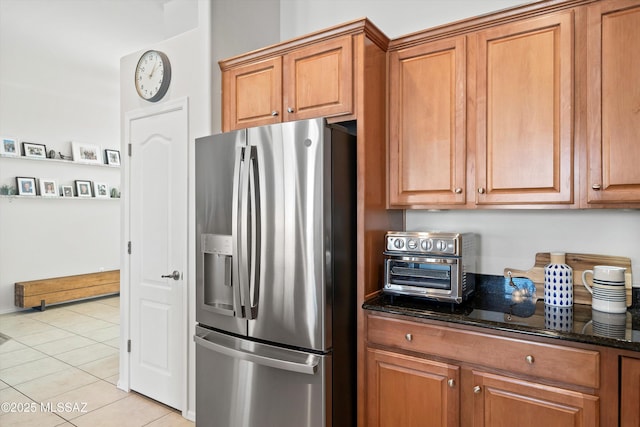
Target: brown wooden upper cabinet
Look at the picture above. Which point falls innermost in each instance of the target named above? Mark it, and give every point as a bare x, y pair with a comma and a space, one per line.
613, 102
315, 80
253, 94
524, 124
427, 143
483, 118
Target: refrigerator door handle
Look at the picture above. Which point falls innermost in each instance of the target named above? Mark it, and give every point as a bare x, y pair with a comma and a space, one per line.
309, 367
254, 260
236, 225
243, 234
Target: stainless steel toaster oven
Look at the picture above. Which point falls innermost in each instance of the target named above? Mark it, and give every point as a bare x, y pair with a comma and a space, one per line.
433, 265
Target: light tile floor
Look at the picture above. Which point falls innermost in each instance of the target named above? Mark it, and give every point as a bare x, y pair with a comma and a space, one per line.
59, 367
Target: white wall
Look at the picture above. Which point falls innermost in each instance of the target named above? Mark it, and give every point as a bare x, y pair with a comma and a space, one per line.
43, 237
59, 82
511, 238
394, 17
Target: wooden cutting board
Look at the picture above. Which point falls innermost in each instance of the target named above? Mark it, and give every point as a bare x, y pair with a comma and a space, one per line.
579, 263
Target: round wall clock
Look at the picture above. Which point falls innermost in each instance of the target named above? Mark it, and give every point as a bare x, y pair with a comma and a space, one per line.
153, 75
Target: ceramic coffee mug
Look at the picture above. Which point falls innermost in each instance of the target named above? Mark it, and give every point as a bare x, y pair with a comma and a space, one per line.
608, 290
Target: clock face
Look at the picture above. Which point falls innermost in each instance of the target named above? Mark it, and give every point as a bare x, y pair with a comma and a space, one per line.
153, 75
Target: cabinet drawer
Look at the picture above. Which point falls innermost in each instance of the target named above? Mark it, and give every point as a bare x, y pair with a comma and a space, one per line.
557, 363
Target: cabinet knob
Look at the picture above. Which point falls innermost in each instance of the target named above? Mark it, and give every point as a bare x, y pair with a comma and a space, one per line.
596, 187
290, 110
409, 337
529, 359
477, 389
458, 190
481, 190
274, 113
451, 382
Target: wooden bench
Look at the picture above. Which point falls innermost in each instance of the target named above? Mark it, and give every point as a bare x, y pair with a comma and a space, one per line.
38, 293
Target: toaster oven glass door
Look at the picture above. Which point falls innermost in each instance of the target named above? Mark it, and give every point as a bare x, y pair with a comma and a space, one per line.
417, 275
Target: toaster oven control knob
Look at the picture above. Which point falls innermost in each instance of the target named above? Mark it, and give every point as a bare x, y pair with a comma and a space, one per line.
426, 245
441, 245
398, 243
412, 244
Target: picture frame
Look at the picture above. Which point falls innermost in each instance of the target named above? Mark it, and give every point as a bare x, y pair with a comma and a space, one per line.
67, 191
31, 149
48, 187
86, 153
100, 190
83, 188
112, 157
26, 186
9, 147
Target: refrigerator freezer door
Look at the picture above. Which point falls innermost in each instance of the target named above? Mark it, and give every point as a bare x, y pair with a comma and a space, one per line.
293, 305
243, 383
218, 296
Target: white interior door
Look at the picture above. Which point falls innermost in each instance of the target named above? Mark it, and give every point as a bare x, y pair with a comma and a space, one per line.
158, 234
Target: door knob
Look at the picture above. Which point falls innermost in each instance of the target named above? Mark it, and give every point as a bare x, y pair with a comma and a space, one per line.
175, 275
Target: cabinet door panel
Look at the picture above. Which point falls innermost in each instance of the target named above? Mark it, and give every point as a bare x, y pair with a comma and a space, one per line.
630, 393
410, 392
319, 80
503, 401
252, 94
427, 124
613, 101
525, 122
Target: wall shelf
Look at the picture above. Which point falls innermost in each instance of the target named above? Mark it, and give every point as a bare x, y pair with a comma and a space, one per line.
63, 172
18, 197
66, 162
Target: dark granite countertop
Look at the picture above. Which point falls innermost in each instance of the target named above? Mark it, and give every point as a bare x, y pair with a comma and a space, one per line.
494, 306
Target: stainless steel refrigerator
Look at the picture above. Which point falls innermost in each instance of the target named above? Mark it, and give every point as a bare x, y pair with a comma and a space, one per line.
275, 232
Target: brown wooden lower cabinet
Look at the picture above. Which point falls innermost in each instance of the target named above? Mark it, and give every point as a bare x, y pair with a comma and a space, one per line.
411, 392
630, 392
429, 374
503, 401
408, 391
